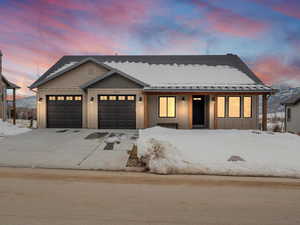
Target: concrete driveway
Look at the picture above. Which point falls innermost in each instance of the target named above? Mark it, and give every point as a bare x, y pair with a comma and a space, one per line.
68, 148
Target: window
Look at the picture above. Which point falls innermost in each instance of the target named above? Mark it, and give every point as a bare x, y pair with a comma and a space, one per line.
247, 107
60, 98
112, 98
221, 107
234, 107
167, 107
289, 114
69, 98
103, 98
77, 98
197, 99
52, 98
130, 98
121, 98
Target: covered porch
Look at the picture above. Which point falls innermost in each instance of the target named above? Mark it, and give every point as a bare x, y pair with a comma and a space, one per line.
207, 110
8, 95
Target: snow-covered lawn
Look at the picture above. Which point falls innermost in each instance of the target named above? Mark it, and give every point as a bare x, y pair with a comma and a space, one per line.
7, 129
222, 152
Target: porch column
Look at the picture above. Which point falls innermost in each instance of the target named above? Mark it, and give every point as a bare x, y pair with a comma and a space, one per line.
190, 111
14, 106
264, 111
146, 122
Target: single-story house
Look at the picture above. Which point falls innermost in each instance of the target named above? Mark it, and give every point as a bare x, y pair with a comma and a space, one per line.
4, 86
140, 91
292, 114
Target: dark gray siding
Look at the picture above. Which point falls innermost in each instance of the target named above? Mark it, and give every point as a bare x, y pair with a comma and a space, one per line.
115, 81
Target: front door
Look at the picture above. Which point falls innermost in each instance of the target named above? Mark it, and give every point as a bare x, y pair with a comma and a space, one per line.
198, 111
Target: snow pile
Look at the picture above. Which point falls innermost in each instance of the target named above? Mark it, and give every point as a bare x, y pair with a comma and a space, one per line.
7, 129
170, 151
183, 74
64, 67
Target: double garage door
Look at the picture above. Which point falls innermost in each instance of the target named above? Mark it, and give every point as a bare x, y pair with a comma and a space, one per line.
114, 111
64, 111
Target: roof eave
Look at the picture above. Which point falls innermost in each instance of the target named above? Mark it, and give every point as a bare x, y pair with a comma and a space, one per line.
110, 73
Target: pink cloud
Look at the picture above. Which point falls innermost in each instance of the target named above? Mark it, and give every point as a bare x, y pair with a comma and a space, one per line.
287, 7
272, 69
229, 22
35, 35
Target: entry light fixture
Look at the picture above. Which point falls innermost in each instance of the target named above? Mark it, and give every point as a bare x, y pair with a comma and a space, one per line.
213, 99
140, 99
92, 99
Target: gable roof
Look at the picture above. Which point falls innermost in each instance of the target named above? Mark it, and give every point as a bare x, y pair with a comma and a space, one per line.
110, 73
9, 84
126, 64
293, 100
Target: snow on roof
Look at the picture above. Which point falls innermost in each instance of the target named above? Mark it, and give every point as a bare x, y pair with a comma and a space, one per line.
183, 75
212, 88
66, 66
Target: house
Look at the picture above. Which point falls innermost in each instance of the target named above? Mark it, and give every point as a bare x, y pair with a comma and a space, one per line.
122, 91
4, 86
292, 114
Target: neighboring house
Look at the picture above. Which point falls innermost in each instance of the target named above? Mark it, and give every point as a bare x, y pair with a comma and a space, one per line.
4, 86
292, 114
196, 91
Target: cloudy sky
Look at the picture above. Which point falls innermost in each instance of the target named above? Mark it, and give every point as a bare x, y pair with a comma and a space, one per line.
34, 34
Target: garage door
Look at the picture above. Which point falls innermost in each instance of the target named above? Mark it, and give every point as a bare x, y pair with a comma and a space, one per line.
64, 111
116, 112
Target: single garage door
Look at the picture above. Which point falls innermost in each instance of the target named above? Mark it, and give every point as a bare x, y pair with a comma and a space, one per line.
116, 112
64, 111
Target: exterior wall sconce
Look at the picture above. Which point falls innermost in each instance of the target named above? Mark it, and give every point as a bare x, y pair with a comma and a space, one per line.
40, 99
91, 99
183, 99
213, 99
140, 99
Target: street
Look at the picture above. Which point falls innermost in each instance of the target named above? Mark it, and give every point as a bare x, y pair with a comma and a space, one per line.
60, 197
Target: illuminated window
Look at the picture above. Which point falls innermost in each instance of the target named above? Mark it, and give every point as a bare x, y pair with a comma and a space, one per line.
52, 98
77, 98
112, 98
60, 98
167, 106
103, 97
121, 98
221, 107
69, 98
247, 107
130, 98
197, 99
234, 108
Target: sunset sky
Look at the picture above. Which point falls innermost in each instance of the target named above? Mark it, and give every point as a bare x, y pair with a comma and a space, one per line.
34, 34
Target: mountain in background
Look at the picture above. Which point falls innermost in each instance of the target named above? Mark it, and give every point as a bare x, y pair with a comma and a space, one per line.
283, 94
26, 102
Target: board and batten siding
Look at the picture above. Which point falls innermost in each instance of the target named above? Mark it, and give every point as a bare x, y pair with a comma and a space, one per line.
241, 123
181, 118
294, 124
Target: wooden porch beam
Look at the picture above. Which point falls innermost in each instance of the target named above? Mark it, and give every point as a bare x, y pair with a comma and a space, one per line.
14, 106
264, 112
190, 111
146, 114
